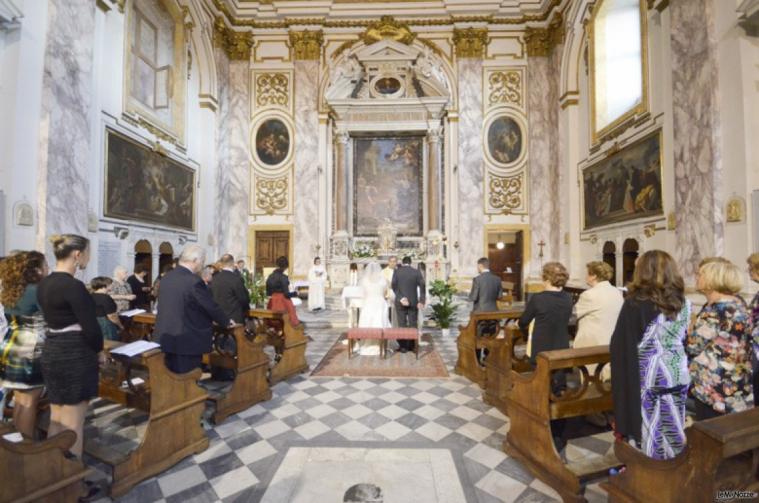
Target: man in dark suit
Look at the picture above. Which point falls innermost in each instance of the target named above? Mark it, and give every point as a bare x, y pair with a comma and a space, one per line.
408, 286
229, 290
185, 312
486, 288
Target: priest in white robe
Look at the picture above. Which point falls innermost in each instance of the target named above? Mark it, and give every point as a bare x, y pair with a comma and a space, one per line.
317, 281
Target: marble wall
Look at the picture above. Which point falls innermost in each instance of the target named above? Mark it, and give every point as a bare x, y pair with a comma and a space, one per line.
545, 206
233, 175
306, 154
471, 165
696, 123
66, 119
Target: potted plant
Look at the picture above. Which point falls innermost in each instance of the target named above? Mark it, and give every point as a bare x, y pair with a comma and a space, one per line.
256, 288
443, 311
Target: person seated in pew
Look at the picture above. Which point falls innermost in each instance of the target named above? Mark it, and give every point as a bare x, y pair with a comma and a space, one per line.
753, 267
597, 310
229, 290
21, 346
279, 293
105, 308
186, 310
545, 321
720, 345
486, 290
73, 344
649, 367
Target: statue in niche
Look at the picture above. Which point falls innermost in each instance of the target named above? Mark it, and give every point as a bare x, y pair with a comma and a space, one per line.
344, 76
426, 67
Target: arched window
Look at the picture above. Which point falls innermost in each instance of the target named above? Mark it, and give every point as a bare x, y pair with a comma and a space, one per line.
617, 54
143, 254
630, 250
165, 256
610, 257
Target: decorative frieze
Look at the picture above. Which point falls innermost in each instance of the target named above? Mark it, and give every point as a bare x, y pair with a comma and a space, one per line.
236, 44
470, 42
306, 44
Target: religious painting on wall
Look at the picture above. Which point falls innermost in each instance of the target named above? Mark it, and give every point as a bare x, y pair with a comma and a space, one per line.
272, 142
505, 141
145, 186
625, 186
387, 185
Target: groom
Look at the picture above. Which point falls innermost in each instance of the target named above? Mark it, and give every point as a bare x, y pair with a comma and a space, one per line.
408, 286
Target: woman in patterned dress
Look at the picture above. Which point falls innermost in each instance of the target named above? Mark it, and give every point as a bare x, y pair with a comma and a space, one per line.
719, 346
649, 367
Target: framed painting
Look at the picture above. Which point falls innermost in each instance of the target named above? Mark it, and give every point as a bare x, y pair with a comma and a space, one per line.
624, 186
144, 186
387, 185
272, 142
505, 144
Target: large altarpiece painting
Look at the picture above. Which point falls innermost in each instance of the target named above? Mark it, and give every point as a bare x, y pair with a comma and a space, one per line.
387, 185
145, 186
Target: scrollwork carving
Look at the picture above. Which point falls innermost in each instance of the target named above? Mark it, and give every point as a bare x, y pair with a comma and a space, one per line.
272, 194
272, 89
388, 27
506, 193
505, 87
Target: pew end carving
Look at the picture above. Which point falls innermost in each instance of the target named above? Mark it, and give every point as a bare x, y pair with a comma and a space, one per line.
469, 343
175, 404
720, 454
289, 342
502, 359
532, 404
39, 472
250, 364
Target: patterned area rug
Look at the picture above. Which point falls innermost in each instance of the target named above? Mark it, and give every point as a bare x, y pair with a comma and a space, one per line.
336, 363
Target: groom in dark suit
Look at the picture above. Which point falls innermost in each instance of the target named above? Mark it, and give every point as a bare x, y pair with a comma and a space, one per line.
408, 285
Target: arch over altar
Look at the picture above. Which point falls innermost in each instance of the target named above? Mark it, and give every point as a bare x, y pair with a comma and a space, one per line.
389, 104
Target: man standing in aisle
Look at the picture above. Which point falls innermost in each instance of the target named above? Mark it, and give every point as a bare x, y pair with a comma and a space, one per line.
408, 286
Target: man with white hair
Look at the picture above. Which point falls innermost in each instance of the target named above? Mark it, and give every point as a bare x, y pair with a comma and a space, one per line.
186, 310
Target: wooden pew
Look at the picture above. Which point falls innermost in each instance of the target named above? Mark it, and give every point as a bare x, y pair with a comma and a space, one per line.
175, 404
499, 363
39, 471
139, 326
721, 454
250, 365
289, 342
532, 406
469, 343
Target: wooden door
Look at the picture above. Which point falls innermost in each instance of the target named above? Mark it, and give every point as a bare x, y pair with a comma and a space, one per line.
509, 258
270, 245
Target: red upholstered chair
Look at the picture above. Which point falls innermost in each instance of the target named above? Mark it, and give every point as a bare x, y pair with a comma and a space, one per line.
395, 334
355, 334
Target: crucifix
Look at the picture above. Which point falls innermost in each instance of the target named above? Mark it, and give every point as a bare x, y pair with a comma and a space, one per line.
541, 244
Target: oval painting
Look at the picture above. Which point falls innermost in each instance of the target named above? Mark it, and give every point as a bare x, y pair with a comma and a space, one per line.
272, 142
505, 140
387, 85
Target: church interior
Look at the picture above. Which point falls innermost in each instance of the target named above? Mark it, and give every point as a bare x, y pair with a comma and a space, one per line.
514, 157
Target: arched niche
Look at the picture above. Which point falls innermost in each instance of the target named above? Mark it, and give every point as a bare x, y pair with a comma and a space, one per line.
165, 257
610, 257
630, 252
143, 254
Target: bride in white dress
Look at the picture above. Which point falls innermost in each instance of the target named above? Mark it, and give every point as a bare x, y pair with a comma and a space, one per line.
374, 310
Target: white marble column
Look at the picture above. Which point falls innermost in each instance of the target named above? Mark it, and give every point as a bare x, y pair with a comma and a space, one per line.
341, 181
433, 180
697, 131
66, 119
470, 169
306, 197
233, 175
543, 106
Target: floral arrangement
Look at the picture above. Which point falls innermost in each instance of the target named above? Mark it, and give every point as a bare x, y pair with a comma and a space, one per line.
256, 286
414, 254
363, 251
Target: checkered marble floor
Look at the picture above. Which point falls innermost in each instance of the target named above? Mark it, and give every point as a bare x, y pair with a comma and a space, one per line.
248, 448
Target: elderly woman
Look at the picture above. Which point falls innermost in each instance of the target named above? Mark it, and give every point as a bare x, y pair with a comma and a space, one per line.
753, 269
597, 309
649, 368
719, 346
120, 291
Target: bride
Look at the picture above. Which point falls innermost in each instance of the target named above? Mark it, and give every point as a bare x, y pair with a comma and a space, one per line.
374, 313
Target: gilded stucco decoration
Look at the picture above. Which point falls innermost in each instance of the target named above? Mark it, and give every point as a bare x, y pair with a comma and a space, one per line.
388, 27
470, 42
505, 88
272, 89
272, 194
505, 194
541, 41
306, 44
236, 44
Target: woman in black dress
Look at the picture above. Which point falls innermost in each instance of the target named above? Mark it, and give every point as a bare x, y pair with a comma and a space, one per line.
74, 339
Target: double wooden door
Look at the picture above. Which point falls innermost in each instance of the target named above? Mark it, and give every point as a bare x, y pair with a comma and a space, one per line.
269, 246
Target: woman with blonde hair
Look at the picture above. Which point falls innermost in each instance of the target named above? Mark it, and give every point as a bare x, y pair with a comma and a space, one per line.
719, 346
649, 368
753, 270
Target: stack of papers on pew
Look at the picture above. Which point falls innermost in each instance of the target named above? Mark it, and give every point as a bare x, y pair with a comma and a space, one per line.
135, 348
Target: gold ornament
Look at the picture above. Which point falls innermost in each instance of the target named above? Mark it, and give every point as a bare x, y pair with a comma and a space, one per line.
272, 89
541, 41
470, 42
306, 44
505, 87
735, 210
388, 27
506, 193
236, 44
271, 194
